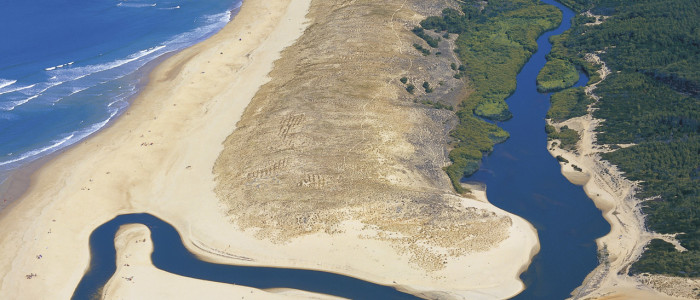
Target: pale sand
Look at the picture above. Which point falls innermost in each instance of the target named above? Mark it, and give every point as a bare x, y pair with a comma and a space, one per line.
158, 159
137, 278
191, 104
614, 195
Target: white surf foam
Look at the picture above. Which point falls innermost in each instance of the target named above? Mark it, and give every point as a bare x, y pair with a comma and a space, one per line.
59, 66
56, 145
17, 89
136, 5
5, 82
77, 90
8, 106
213, 23
80, 72
20, 102
53, 147
33, 91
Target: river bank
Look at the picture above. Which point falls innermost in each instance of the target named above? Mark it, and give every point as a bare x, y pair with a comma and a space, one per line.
614, 195
158, 158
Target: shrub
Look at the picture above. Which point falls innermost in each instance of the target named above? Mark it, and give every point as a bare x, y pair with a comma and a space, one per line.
426, 87
410, 88
432, 42
421, 49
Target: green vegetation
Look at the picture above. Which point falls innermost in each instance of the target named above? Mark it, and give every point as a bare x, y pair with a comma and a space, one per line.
473, 138
494, 42
567, 136
562, 159
652, 100
426, 87
403, 80
670, 174
664, 259
432, 42
410, 88
494, 50
420, 48
556, 75
562, 49
568, 104
639, 109
437, 105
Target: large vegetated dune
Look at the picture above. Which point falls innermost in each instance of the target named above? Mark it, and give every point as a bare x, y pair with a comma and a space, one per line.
331, 138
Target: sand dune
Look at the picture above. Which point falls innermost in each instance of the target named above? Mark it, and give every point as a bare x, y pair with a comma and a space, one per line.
160, 156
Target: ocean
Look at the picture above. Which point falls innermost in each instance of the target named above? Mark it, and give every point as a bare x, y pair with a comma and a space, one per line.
69, 68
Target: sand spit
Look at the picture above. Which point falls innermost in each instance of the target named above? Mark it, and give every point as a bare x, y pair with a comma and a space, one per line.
328, 157
615, 196
137, 278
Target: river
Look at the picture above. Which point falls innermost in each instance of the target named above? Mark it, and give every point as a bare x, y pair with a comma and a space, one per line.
524, 179
170, 255
521, 176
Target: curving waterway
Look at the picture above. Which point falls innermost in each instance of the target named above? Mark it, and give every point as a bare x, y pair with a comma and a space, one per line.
524, 179
170, 255
521, 176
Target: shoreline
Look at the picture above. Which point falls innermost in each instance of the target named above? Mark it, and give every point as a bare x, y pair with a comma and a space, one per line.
157, 158
19, 180
614, 195
61, 236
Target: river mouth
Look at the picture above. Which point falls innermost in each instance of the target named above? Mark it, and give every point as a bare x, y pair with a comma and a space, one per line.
524, 179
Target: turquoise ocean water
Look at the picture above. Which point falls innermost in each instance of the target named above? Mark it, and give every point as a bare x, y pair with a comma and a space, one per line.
68, 68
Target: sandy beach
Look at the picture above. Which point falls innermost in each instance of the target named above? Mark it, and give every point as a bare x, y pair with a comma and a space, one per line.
159, 158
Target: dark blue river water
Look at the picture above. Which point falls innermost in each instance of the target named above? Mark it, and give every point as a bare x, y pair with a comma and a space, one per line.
170, 255
521, 176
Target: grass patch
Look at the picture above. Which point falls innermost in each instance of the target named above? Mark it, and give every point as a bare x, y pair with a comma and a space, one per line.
493, 44
556, 75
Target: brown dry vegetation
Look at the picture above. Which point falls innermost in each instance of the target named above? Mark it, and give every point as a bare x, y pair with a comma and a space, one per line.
334, 136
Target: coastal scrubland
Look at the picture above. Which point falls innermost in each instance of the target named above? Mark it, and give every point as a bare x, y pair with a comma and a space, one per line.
649, 107
495, 40
568, 104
